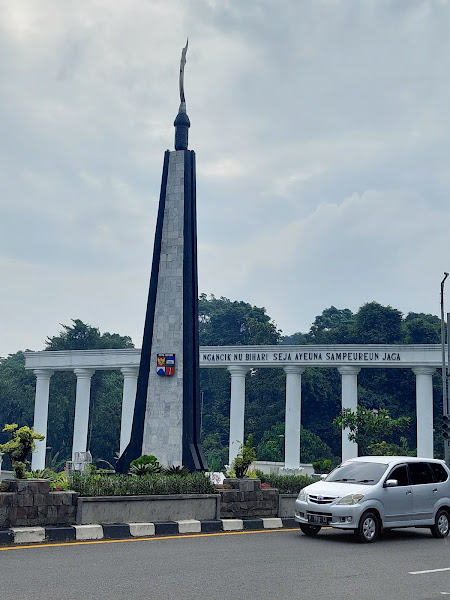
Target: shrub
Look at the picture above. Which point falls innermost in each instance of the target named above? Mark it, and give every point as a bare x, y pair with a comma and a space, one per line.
58, 481
87, 484
245, 457
323, 466
175, 470
287, 484
22, 442
147, 464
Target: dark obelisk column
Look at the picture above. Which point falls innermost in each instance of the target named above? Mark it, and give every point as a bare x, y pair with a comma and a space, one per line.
166, 420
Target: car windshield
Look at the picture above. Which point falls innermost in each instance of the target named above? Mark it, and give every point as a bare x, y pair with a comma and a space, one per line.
367, 473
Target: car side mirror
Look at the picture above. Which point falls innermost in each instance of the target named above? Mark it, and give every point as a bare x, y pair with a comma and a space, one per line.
391, 483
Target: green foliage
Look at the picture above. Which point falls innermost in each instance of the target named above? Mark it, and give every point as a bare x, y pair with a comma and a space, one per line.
323, 466
376, 324
368, 428
81, 336
223, 322
286, 484
19, 446
17, 392
58, 481
147, 464
88, 484
176, 470
244, 458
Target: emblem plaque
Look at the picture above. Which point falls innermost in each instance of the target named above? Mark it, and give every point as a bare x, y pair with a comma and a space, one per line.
165, 364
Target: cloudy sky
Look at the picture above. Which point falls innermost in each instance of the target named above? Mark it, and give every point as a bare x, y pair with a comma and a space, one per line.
322, 135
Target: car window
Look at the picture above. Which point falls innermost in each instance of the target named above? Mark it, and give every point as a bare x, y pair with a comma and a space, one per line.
400, 474
420, 473
440, 474
358, 472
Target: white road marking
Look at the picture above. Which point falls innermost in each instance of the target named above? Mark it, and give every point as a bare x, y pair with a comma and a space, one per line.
430, 571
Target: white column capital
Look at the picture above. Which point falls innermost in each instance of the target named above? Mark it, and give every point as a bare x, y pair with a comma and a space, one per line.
348, 370
43, 373
423, 370
237, 370
294, 369
130, 371
83, 373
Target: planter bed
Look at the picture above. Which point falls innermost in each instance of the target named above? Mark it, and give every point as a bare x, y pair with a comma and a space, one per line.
145, 509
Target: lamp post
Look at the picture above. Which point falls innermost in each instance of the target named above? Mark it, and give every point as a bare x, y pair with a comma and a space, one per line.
445, 412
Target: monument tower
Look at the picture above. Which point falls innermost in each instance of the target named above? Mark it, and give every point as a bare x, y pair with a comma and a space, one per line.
166, 421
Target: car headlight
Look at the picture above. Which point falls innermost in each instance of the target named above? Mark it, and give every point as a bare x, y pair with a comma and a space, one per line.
302, 496
351, 499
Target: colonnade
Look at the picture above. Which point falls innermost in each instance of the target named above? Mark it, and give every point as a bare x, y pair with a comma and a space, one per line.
349, 399
82, 403
44, 365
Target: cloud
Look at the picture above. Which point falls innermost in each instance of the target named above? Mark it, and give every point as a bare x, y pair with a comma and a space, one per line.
321, 136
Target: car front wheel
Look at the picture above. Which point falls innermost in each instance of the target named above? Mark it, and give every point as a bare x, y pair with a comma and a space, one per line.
368, 528
441, 526
310, 530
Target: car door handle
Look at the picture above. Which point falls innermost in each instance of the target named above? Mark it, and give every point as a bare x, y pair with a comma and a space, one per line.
435, 491
408, 492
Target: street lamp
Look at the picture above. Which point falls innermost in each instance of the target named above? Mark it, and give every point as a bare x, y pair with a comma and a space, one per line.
445, 412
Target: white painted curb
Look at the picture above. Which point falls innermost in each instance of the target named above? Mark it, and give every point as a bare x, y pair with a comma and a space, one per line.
142, 529
88, 532
272, 523
232, 524
28, 535
189, 526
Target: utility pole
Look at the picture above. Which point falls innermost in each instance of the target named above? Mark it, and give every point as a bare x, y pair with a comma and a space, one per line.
445, 411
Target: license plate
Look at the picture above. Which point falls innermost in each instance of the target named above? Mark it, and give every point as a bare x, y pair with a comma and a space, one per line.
317, 519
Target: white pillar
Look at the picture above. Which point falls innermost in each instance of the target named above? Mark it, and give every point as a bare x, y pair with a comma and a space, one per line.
349, 377
424, 410
82, 400
41, 416
237, 410
293, 416
130, 376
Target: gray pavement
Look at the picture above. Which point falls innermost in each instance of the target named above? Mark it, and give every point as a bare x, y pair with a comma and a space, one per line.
269, 564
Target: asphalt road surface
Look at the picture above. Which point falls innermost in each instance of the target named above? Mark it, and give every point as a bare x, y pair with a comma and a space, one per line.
273, 564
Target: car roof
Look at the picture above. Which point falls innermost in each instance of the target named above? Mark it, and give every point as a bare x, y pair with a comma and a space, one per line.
387, 460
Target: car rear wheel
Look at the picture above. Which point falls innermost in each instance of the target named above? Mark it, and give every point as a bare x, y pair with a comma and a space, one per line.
368, 528
441, 526
310, 530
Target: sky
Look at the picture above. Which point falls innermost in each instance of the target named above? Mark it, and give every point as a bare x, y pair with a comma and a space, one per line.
321, 134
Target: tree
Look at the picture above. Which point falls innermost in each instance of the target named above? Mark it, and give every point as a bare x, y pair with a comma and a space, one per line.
420, 328
331, 325
369, 428
16, 391
19, 446
244, 458
81, 336
377, 324
223, 322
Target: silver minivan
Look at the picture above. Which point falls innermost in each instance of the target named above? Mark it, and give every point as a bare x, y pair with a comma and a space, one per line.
370, 494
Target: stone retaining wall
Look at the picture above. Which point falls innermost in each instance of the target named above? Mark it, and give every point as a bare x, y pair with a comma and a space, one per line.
28, 502
245, 499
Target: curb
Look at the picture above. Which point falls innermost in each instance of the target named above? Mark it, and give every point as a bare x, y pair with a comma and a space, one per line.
116, 531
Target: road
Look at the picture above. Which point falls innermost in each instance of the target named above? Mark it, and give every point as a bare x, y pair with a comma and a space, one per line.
271, 564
